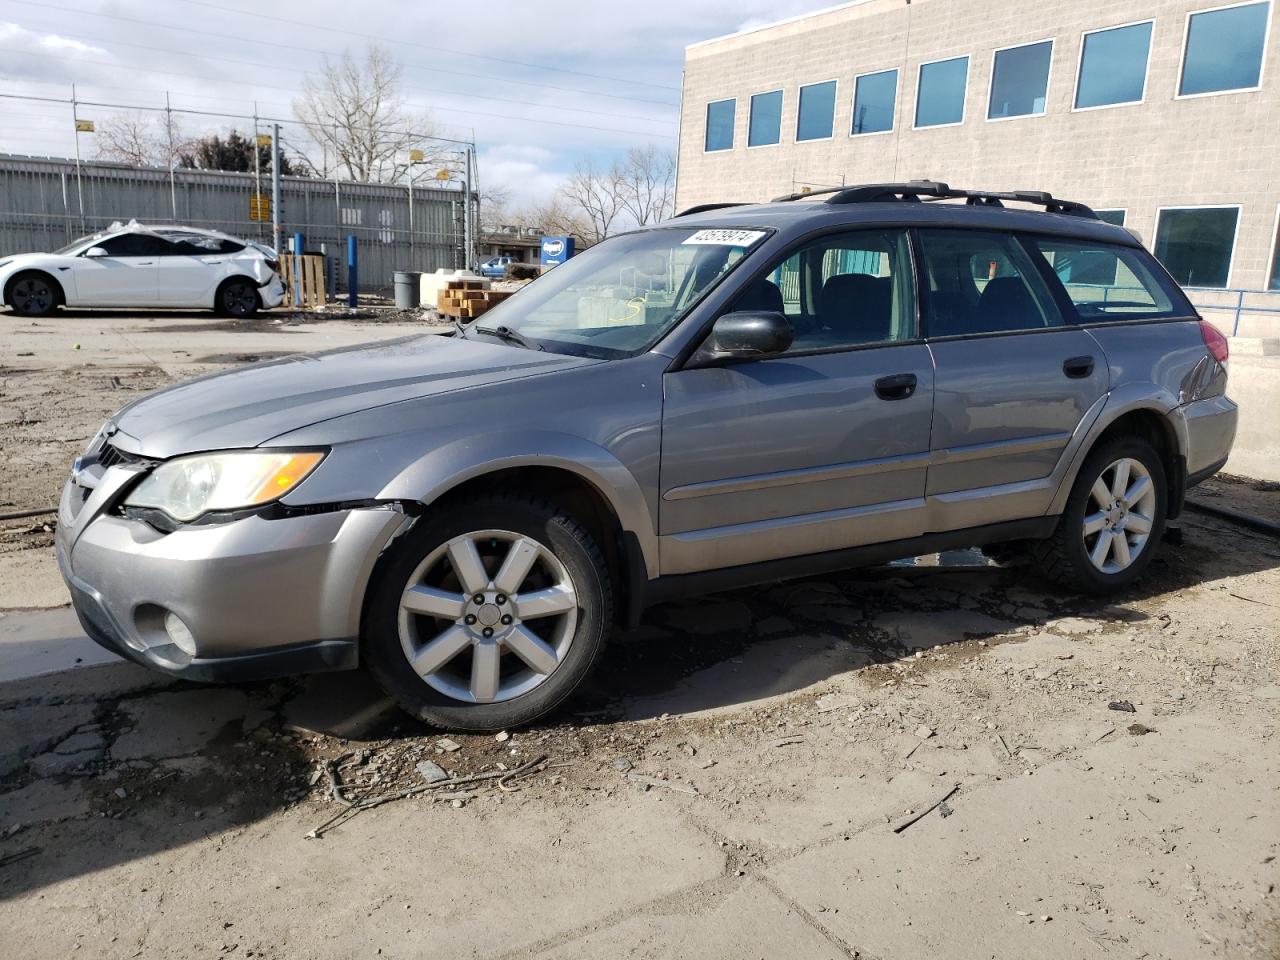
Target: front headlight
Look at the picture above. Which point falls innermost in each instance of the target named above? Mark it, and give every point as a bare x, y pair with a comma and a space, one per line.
187, 487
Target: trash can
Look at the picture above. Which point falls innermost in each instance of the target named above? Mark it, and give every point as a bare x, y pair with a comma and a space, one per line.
408, 289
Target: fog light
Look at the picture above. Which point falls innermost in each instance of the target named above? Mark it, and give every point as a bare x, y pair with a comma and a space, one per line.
180, 634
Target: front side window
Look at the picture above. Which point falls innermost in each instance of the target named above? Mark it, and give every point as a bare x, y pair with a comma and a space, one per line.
982, 282
1224, 49
135, 245
766, 119
873, 100
1107, 282
1196, 244
817, 115
620, 296
720, 117
1113, 66
1113, 217
1020, 81
843, 290
940, 92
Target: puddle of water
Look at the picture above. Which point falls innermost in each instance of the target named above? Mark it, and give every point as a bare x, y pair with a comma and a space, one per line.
966, 557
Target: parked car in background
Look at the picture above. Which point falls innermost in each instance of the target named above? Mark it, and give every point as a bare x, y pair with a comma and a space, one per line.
495, 268
139, 266
815, 384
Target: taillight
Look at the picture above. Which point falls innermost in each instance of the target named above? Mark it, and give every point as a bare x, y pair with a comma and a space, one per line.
274, 265
1214, 340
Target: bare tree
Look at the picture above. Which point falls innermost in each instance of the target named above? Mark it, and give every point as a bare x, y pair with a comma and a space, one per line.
140, 139
648, 184
596, 196
354, 112
633, 192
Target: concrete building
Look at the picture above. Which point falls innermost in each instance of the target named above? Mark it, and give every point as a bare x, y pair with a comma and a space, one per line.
1161, 114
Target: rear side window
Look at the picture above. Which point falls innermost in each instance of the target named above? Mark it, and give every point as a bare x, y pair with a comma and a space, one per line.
982, 282
1108, 282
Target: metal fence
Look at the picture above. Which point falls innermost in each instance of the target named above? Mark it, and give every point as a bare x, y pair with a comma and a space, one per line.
47, 203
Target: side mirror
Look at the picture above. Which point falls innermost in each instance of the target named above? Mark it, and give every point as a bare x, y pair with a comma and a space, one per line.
746, 335
96, 252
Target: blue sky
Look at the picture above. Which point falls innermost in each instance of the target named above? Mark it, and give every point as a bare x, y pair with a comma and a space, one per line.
538, 85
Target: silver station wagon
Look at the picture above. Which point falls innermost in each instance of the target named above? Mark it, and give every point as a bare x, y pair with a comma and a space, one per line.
740, 394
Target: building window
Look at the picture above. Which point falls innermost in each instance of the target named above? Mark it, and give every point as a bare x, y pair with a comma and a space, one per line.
720, 115
1113, 217
1224, 49
1195, 244
940, 93
873, 101
1273, 282
817, 114
1020, 81
1113, 66
766, 119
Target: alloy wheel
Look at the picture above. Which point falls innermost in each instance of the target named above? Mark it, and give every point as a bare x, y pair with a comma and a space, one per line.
239, 299
1124, 501
488, 616
32, 295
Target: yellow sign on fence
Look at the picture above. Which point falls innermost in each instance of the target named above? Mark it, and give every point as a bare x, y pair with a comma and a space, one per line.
263, 139
259, 206
84, 126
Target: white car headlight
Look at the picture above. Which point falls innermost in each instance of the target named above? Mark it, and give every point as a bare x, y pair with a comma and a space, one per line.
188, 487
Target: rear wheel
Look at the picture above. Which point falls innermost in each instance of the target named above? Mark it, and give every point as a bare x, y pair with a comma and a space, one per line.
237, 297
1113, 520
488, 616
33, 294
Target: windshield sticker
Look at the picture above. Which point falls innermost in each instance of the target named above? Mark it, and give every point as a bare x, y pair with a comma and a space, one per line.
727, 238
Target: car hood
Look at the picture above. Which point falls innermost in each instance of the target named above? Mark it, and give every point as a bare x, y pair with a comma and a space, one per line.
250, 405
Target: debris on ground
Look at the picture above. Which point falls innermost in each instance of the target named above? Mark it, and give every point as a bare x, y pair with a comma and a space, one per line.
788, 741
675, 785
1138, 729
928, 810
1124, 706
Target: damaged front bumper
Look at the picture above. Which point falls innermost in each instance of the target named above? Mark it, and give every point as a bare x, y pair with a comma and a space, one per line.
246, 599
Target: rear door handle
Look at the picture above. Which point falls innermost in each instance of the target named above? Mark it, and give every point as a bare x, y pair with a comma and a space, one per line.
1077, 368
897, 387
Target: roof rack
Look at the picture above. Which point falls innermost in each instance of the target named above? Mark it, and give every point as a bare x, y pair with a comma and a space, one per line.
916, 190
704, 207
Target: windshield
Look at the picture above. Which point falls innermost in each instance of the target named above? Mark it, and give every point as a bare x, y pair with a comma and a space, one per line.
620, 296
77, 244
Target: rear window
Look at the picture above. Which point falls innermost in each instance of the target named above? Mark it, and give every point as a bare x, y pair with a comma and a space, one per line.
1108, 283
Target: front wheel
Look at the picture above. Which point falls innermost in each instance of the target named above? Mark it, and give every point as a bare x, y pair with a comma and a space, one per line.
33, 295
489, 615
1113, 520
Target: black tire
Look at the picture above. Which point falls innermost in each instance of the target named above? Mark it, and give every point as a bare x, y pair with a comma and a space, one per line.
237, 297
543, 521
33, 294
1064, 557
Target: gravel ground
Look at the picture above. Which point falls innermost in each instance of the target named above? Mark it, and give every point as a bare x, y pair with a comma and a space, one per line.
741, 778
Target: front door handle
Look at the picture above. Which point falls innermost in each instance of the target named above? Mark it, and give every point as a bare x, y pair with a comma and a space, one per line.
1077, 368
897, 387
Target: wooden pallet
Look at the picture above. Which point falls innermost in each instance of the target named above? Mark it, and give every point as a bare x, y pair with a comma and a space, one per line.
466, 300
313, 285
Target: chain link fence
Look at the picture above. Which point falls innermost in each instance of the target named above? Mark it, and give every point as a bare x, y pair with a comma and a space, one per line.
47, 203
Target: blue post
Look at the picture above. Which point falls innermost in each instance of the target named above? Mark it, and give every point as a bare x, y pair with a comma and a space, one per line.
297, 269
353, 273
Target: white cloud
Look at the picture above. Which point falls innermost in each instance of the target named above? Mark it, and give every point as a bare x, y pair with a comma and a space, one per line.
16, 37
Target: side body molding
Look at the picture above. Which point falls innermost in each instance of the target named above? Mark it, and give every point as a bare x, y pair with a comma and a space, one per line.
449, 466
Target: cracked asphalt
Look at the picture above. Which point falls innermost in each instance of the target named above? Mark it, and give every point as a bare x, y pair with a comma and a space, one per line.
728, 786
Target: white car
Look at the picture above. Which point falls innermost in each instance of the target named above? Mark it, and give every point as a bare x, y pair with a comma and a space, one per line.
137, 266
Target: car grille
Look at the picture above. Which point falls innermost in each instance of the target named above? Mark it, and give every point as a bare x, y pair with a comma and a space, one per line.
110, 456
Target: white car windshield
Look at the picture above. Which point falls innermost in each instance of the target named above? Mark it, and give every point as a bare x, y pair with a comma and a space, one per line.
77, 244
620, 296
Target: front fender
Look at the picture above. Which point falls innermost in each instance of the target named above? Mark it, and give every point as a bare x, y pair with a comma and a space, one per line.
453, 464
